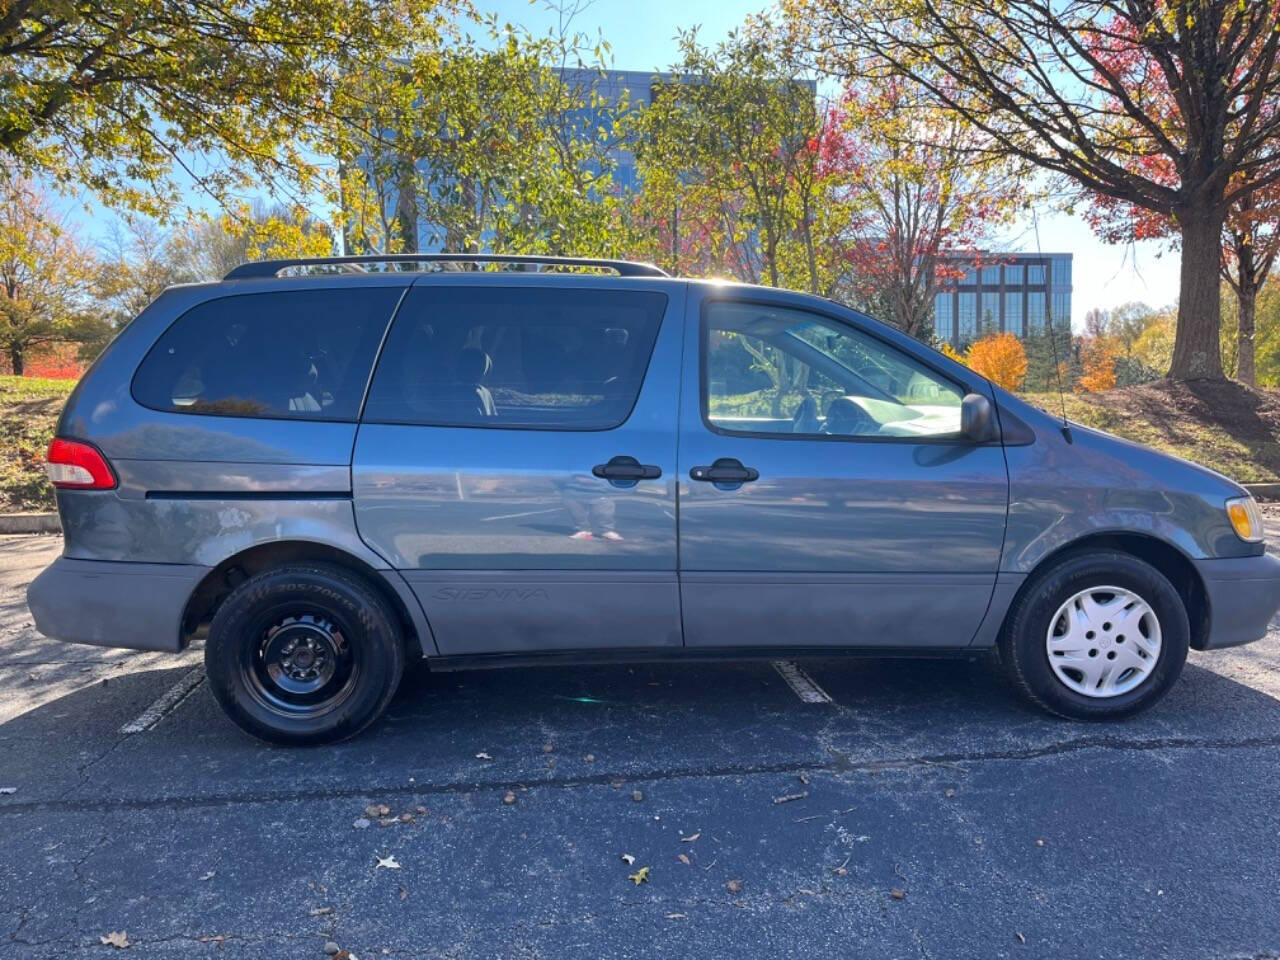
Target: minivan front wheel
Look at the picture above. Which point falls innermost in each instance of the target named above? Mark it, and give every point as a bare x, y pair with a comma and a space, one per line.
304, 653
1100, 635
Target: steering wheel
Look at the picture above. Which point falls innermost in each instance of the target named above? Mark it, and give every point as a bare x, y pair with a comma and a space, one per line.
846, 418
805, 419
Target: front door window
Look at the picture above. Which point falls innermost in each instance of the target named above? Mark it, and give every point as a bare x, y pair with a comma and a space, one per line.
772, 370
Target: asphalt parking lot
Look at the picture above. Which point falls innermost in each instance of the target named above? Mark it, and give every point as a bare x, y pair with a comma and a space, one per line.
921, 812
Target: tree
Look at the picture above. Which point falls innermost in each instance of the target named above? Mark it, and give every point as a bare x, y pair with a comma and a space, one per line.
1001, 358
1098, 362
507, 146
206, 249
731, 156
919, 191
136, 99
1250, 244
45, 274
1083, 87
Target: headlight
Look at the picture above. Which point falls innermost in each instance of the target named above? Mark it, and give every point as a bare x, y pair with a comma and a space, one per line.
1245, 518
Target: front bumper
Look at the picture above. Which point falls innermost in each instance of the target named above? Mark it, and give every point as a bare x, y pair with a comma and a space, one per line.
110, 604
1244, 595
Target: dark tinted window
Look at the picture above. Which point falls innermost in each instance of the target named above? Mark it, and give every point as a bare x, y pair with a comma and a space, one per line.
303, 354
569, 359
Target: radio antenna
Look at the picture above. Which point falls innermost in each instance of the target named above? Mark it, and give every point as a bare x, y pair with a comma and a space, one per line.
1048, 321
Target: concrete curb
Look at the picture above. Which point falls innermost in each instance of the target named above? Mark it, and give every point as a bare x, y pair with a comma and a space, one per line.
29, 523
1263, 491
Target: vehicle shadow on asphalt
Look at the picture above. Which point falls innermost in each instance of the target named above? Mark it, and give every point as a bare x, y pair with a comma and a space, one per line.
456, 731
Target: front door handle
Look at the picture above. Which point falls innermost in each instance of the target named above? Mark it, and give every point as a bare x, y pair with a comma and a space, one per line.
626, 471
725, 470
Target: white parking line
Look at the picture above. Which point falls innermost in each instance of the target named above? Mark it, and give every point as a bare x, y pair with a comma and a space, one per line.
166, 703
801, 683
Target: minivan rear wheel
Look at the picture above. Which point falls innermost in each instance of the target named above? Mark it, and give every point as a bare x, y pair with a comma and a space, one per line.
1100, 635
304, 653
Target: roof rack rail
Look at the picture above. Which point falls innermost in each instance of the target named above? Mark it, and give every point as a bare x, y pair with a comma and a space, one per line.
272, 268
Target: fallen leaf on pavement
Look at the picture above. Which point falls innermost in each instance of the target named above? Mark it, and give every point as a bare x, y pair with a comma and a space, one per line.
675, 916
320, 911
791, 796
1021, 938
734, 886
690, 838
389, 863
483, 756
375, 810
683, 859
628, 859
637, 795
640, 876
210, 875
220, 940
898, 894
116, 938
509, 799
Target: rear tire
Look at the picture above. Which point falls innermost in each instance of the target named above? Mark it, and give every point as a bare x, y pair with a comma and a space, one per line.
304, 654
1100, 635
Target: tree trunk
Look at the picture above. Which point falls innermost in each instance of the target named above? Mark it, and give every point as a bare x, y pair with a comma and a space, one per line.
16, 360
1246, 311
407, 206
1197, 353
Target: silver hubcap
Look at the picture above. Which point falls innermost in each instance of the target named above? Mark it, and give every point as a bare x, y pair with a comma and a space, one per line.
1103, 641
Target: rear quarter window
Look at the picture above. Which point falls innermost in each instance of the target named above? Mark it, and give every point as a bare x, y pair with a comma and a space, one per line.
299, 354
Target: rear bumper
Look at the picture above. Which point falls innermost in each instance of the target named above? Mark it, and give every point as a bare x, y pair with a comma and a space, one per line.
1244, 595
108, 604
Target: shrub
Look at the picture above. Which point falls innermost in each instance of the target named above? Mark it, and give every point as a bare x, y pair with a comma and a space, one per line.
1001, 358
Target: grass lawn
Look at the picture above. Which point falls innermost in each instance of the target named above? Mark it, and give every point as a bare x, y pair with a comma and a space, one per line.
29, 408
1225, 426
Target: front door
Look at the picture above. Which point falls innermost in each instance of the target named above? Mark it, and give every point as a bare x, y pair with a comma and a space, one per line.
516, 461
827, 497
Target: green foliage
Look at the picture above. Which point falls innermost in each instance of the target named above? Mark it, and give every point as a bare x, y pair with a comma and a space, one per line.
502, 146
734, 183
133, 98
1043, 352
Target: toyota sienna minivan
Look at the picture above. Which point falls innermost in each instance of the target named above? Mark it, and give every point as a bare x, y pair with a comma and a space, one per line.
504, 460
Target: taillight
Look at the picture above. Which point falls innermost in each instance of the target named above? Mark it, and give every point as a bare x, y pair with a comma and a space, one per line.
78, 466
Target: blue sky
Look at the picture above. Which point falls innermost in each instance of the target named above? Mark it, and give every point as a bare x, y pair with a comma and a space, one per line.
642, 37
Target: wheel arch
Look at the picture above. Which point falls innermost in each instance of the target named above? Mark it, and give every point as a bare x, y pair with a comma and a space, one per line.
218, 583
1161, 554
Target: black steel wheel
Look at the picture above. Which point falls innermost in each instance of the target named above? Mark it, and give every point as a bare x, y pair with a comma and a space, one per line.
305, 653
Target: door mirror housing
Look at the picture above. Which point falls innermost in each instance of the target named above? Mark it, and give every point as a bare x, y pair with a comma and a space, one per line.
977, 419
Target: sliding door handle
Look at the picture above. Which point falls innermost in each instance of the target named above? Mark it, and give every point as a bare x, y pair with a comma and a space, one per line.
626, 471
725, 470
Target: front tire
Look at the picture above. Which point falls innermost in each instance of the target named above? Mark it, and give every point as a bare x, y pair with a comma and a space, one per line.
304, 654
1100, 635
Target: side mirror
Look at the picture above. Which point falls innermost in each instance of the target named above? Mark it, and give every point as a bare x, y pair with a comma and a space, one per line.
977, 419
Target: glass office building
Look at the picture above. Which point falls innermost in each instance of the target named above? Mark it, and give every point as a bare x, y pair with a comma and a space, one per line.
1016, 293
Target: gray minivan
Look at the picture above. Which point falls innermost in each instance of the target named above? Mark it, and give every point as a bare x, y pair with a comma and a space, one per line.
325, 473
